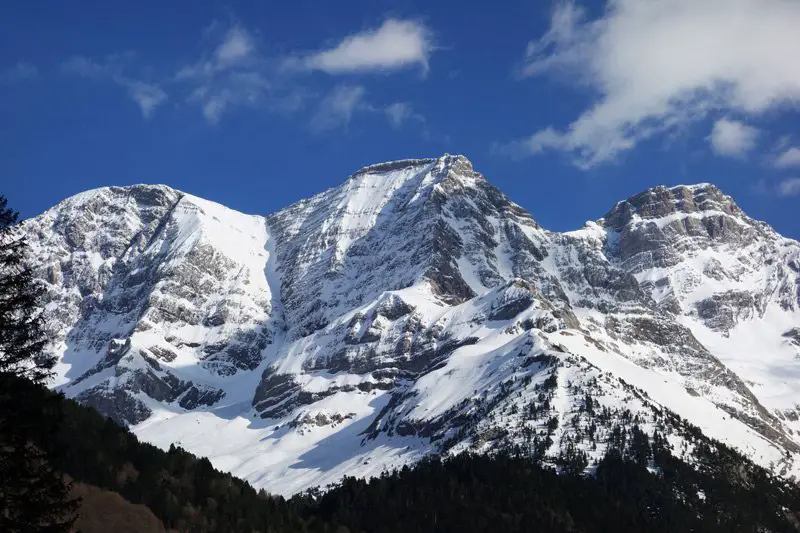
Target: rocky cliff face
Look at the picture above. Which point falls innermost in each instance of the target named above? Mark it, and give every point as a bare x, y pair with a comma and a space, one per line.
416, 309
153, 297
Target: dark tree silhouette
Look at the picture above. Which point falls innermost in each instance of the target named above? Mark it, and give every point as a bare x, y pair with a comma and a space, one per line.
33, 495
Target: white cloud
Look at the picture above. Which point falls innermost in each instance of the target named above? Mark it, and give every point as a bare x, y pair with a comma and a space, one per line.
785, 188
401, 114
535, 144
232, 71
398, 113
148, 96
237, 45
235, 51
659, 65
233, 74
789, 158
337, 108
83, 66
22, 71
217, 94
732, 138
395, 44
789, 187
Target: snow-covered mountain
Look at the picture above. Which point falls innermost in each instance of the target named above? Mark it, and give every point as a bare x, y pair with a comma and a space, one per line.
415, 309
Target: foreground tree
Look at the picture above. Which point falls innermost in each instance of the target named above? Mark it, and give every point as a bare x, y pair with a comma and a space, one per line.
21, 330
33, 496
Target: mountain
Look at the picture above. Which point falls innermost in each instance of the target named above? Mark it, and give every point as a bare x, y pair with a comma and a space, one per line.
416, 310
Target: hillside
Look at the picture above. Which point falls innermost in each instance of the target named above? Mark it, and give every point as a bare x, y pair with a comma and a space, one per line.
636, 486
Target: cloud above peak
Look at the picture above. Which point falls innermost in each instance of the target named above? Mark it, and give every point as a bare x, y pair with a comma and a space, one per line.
789, 187
338, 107
231, 74
655, 66
237, 45
233, 70
147, 95
789, 158
22, 71
395, 44
398, 113
732, 138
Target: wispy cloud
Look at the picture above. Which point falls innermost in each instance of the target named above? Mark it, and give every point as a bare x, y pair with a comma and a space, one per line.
233, 74
237, 45
395, 44
788, 187
732, 138
147, 95
233, 71
235, 48
20, 72
789, 158
403, 114
657, 66
785, 188
83, 66
338, 107
400, 113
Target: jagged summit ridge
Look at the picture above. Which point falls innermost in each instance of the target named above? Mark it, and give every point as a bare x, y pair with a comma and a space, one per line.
664, 204
391, 229
443, 161
414, 309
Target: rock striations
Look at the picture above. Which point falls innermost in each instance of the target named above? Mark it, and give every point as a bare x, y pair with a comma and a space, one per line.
415, 309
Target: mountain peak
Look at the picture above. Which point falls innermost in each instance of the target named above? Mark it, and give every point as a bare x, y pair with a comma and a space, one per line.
443, 162
452, 159
389, 166
144, 195
132, 190
661, 201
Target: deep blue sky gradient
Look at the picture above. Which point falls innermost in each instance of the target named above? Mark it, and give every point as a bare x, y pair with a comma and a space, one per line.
63, 134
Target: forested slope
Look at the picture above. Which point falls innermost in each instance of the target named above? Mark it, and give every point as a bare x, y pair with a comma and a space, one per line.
637, 486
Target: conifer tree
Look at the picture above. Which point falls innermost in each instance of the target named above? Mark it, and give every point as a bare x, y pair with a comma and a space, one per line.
22, 335
33, 496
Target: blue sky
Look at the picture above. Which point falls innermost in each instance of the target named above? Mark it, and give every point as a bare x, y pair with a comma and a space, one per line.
566, 106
